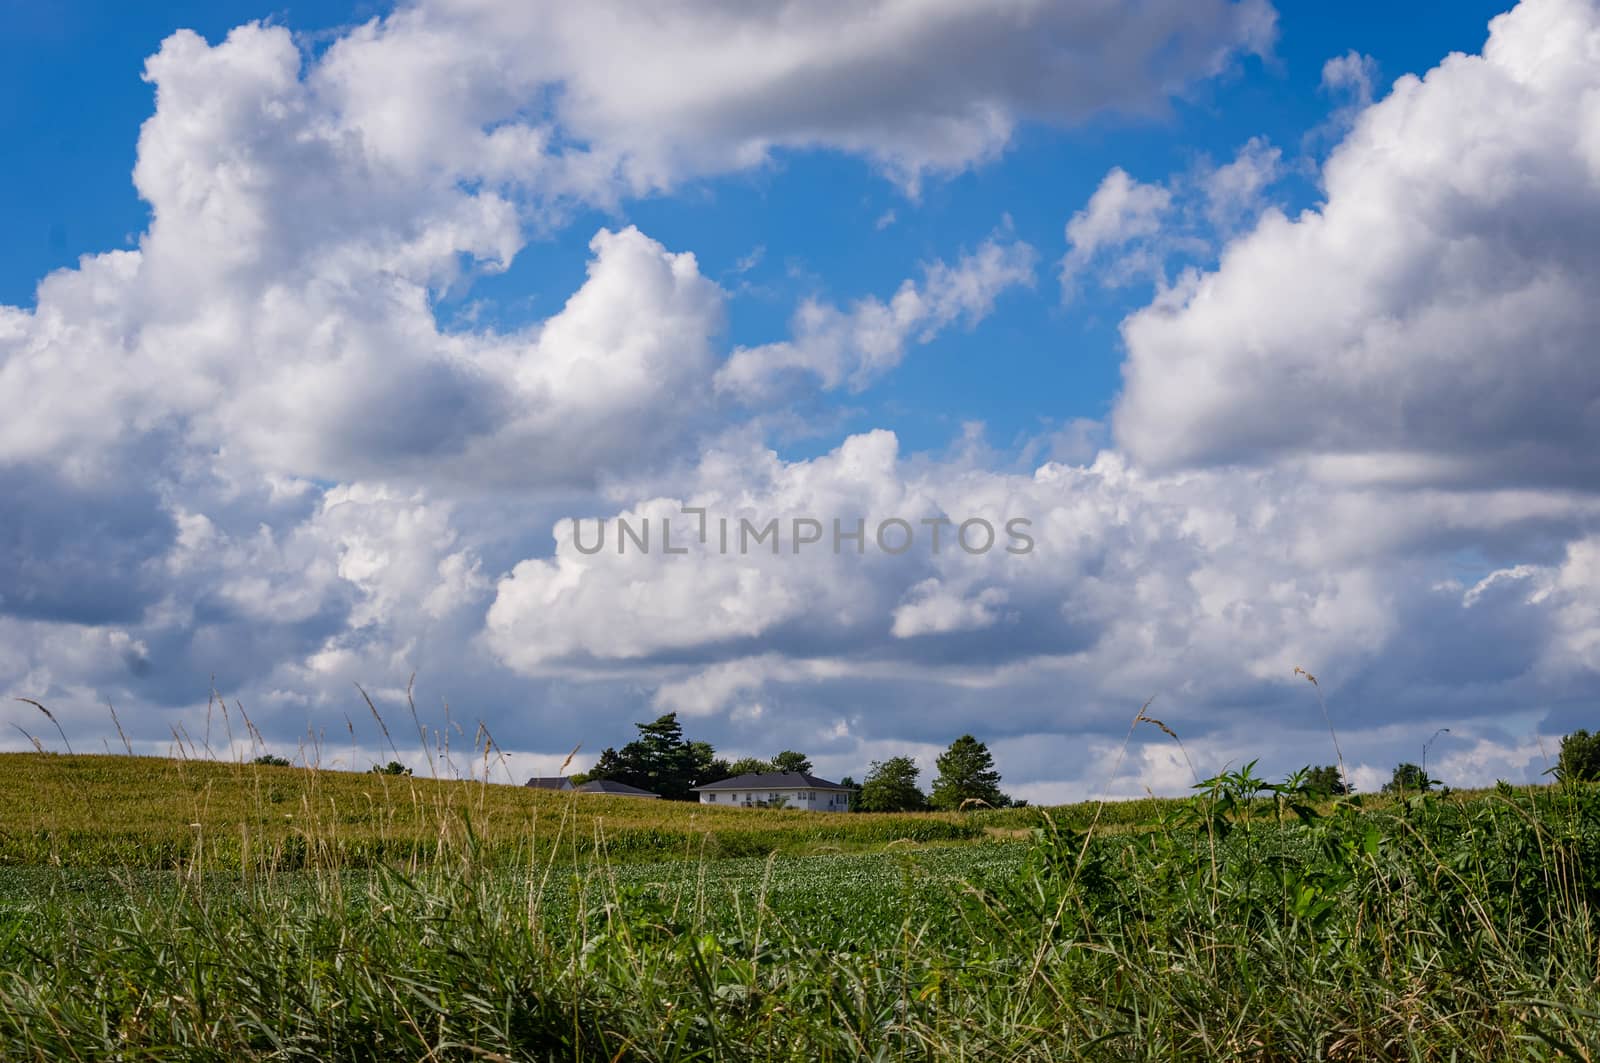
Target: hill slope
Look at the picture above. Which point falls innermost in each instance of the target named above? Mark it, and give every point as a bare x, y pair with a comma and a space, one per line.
115, 811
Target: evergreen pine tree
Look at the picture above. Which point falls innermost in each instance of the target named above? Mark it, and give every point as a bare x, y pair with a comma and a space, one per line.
967, 776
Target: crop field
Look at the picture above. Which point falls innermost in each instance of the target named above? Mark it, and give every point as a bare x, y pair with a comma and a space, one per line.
188, 910
93, 811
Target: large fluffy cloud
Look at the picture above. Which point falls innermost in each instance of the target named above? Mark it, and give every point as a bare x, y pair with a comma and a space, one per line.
280, 310
698, 86
1209, 588
1434, 320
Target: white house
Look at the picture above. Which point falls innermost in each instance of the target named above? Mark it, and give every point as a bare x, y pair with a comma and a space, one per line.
788, 789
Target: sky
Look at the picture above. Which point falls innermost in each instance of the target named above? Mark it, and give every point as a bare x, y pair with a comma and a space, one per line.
330, 335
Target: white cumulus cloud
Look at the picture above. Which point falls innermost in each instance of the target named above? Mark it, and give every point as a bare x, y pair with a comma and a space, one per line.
1433, 322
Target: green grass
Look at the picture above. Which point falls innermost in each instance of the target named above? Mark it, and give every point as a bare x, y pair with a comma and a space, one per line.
508, 926
104, 811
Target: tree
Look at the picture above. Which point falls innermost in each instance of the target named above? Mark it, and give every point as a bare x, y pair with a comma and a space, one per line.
271, 761
748, 766
609, 766
854, 787
715, 771
1325, 779
1580, 758
708, 767
394, 767
659, 760
789, 760
891, 786
1407, 777
967, 776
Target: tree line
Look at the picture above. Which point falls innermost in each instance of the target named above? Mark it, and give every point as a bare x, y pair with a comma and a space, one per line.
664, 762
1578, 761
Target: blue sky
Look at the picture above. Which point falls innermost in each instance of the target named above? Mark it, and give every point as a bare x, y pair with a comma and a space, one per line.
1313, 390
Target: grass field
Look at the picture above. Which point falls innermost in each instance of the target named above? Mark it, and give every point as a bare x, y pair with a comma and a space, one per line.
143, 812
156, 909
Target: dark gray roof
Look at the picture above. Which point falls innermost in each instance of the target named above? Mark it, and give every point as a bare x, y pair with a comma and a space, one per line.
615, 789
550, 782
774, 780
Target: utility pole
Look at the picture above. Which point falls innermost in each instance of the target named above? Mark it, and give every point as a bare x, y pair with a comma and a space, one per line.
1425, 745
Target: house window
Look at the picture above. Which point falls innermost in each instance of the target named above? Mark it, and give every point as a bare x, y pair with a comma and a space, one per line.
712, 798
